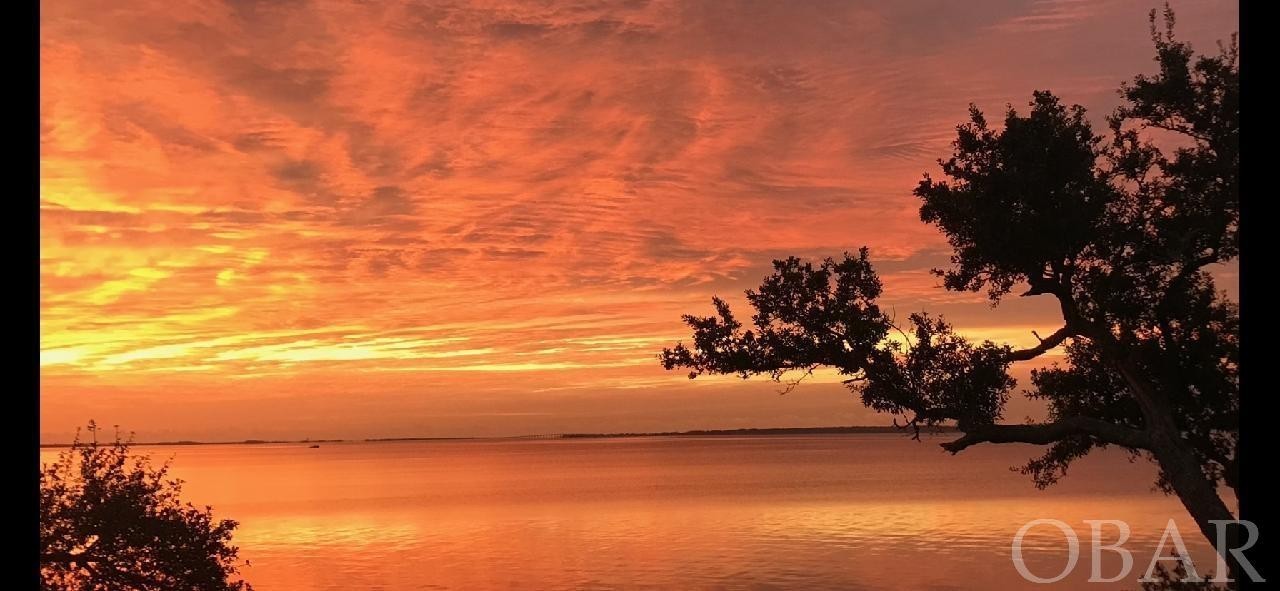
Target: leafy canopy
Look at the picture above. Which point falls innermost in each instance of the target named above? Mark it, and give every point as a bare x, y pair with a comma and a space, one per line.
1119, 227
109, 520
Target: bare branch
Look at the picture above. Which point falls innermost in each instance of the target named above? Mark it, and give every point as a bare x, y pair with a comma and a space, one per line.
1046, 433
808, 371
1046, 344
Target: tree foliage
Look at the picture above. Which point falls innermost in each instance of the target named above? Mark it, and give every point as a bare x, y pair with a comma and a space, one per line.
109, 520
1120, 227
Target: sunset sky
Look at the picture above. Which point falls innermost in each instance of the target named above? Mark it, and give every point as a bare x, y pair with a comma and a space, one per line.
333, 219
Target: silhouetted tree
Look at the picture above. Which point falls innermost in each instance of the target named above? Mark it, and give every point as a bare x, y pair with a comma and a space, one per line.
1118, 230
110, 521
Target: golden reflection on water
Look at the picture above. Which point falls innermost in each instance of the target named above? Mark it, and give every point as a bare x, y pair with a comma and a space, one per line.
828, 512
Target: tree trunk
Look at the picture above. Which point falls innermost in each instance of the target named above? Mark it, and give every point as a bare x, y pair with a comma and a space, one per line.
1181, 467
1197, 494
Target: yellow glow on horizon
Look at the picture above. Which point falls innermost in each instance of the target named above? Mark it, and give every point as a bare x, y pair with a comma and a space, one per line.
65, 355
336, 205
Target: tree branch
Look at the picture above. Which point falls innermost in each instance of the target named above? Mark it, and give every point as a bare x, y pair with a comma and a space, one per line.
1052, 341
103, 569
61, 557
1046, 433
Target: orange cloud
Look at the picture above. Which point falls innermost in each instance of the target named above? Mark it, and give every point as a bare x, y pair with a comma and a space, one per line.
515, 203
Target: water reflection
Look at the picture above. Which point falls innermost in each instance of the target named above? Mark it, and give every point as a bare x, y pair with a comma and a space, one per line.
829, 512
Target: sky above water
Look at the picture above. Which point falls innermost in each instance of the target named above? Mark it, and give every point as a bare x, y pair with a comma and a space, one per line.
344, 219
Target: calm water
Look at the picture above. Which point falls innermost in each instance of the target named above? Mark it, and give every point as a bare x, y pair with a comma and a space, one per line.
807, 512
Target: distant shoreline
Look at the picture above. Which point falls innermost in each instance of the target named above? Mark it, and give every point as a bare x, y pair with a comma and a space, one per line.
751, 432
763, 432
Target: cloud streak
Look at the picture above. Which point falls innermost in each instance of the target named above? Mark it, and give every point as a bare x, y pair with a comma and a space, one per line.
425, 196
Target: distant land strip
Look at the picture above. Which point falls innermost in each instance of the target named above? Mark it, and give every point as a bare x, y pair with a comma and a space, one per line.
861, 429
765, 431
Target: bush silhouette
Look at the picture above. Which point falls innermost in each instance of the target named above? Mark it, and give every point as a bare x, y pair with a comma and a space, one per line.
109, 520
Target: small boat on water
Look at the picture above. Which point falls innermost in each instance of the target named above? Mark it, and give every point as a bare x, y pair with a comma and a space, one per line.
315, 446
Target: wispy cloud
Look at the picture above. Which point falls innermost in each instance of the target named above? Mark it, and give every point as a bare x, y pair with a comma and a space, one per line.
410, 196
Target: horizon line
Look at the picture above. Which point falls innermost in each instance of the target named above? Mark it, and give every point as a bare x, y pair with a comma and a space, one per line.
827, 430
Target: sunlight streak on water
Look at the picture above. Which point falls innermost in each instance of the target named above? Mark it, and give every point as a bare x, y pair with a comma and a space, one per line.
815, 512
